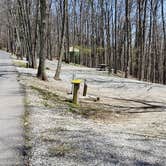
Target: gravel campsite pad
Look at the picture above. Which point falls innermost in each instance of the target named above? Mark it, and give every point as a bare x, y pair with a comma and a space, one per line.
126, 127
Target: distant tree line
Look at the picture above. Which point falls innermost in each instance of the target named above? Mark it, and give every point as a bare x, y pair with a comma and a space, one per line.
128, 35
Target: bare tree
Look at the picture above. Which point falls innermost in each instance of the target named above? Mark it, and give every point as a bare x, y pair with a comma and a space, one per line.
129, 35
61, 49
42, 34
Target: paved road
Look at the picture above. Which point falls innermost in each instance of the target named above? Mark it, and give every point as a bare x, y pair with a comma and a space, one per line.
11, 110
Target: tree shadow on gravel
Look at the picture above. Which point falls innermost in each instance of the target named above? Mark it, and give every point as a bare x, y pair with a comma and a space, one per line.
95, 149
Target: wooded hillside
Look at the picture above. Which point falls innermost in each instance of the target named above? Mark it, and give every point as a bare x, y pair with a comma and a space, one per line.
128, 35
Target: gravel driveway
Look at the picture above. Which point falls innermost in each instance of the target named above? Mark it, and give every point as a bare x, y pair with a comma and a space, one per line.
129, 127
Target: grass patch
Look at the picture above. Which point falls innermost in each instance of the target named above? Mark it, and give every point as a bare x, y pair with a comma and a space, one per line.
20, 64
49, 139
57, 129
77, 65
80, 109
49, 99
72, 110
46, 95
91, 111
49, 135
46, 104
60, 150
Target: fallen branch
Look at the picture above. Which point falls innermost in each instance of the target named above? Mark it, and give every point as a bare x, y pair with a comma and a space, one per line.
90, 98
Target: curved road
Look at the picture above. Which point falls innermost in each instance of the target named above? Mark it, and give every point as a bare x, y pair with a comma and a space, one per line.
11, 110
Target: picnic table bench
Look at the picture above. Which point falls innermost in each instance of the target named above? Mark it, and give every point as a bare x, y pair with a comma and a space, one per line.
102, 67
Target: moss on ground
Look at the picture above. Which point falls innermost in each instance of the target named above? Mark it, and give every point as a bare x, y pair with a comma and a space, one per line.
57, 130
20, 64
48, 139
60, 150
46, 95
92, 111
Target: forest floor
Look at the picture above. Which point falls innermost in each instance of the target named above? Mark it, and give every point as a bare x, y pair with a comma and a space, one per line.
127, 126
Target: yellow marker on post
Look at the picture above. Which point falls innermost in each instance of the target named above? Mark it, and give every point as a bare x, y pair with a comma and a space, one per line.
76, 88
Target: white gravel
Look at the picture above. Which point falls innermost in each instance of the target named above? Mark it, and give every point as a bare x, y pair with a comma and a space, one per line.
137, 136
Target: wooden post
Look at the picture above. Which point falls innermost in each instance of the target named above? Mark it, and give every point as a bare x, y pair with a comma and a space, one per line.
75, 92
73, 78
85, 88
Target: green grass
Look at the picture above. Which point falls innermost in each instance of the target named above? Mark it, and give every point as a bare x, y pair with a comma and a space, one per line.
46, 95
20, 64
50, 98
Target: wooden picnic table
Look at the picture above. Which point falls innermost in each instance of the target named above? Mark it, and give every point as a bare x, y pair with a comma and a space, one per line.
102, 67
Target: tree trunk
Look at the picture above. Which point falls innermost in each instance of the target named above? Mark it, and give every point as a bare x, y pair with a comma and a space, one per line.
42, 33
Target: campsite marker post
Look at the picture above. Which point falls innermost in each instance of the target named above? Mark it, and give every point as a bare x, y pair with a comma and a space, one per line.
75, 92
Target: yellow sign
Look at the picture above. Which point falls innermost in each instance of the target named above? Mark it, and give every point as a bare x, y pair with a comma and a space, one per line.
76, 81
